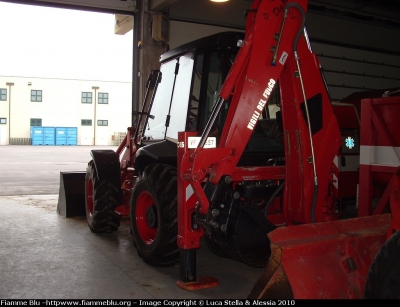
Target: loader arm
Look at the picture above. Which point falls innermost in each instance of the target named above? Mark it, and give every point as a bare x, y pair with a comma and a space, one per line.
275, 50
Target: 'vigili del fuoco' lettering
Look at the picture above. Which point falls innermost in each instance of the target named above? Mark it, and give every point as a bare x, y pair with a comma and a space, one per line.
261, 104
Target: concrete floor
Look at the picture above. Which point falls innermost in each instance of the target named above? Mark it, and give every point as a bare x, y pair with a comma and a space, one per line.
44, 255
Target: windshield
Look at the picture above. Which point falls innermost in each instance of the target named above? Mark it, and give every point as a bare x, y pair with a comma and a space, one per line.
156, 123
187, 93
180, 99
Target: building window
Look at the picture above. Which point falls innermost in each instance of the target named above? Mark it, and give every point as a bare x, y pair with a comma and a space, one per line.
3, 94
102, 122
36, 122
36, 95
103, 98
86, 97
86, 122
3, 120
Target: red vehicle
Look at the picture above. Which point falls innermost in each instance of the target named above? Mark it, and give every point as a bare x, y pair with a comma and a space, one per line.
239, 144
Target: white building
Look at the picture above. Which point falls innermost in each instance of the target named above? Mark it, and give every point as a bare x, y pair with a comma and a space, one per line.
98, 109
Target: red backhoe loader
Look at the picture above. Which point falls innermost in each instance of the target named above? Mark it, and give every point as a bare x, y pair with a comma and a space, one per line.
238, 144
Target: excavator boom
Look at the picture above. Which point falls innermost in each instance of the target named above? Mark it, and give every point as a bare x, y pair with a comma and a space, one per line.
275, 50
283, 213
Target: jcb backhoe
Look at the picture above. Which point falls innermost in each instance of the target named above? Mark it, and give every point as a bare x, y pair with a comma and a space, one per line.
239, 144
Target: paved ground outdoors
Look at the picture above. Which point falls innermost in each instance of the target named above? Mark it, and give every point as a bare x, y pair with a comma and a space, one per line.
44, 255
35, 170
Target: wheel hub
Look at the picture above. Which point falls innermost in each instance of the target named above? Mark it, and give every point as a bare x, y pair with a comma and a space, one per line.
151, 217
89, 196
146, 217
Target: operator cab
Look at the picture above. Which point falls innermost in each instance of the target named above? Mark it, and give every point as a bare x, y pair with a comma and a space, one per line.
191, 78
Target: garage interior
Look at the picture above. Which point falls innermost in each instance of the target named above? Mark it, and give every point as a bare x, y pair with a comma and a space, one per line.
46, 255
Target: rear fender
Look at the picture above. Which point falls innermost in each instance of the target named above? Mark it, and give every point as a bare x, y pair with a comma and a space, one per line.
161, 152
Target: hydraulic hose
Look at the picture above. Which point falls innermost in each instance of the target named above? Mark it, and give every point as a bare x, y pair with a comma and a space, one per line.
314, 201
273, 195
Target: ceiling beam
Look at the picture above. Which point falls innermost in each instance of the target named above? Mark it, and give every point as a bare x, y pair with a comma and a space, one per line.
123, 24
160, 5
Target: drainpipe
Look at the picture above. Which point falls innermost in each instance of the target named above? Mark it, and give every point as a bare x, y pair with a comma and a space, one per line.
95, 88
9, 111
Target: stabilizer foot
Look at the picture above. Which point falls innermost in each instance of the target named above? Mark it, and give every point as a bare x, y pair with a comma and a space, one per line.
203, 282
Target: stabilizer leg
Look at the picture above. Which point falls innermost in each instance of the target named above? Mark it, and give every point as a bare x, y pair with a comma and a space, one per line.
188, 279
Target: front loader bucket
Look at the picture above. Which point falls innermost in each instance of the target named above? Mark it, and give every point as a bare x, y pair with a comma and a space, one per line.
71, 196
321, 261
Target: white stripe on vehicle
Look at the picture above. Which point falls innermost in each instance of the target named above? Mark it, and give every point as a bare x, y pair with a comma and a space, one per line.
381, 155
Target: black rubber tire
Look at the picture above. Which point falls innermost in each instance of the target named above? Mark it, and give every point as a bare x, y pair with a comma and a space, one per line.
383, 279
155, 231
101, 199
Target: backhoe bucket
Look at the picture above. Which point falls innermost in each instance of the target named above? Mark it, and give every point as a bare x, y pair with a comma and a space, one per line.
71, 196
321, 261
